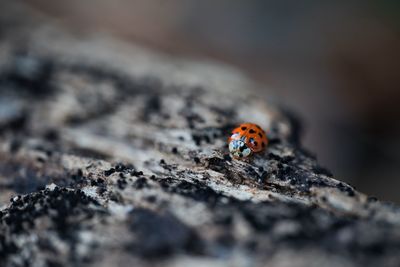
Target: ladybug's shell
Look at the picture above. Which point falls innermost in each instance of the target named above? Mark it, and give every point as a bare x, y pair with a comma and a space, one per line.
252, 134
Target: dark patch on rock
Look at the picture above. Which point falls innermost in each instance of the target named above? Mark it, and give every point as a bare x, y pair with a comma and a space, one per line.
64, 208
216, 164
51, 135
263, 178
15, 145
88, 153
287, 159
347, 189
136, 173
109, 172
28, 74
121, 167
227, 157
122, 184
141, 183
97, 182
208, 135
152, 106
28, 183
75, 179
197, 191
252, 173
25, 179
321, 170
160, 235
127, 86
225, 113
196, 160
272, 156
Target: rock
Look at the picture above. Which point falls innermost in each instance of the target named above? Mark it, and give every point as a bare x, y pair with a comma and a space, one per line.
121, 160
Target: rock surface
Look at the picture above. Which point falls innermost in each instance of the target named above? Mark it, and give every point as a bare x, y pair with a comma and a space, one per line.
112, 155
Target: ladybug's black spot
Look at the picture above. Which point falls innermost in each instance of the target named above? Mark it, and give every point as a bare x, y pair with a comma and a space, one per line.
244, 128
252, 131
255, 143
260, 135
263, 144
258, 127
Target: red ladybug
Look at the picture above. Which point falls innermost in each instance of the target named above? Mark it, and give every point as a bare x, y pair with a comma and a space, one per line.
246, 139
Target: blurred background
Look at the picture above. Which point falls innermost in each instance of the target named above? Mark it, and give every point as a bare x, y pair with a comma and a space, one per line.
335, 63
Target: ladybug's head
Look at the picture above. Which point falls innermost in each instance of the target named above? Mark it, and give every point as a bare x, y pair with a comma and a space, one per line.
239, 149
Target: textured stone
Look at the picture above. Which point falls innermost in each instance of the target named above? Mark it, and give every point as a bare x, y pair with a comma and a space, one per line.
114, 155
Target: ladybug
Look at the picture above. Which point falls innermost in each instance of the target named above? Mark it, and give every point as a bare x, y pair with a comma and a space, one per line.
246, 139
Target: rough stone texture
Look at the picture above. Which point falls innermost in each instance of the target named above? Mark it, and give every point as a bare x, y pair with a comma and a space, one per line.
112, 155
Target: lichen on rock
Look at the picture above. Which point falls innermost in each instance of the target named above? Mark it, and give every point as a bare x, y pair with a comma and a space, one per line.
115, 155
